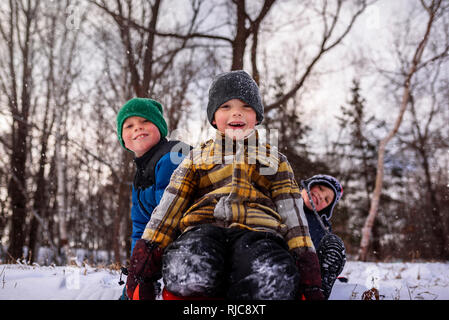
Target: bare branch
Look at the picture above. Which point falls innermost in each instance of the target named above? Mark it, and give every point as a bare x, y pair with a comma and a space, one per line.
187, 36
323, 49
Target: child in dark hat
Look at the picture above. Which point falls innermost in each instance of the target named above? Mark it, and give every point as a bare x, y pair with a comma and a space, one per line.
141, 129
225, 227
321, 194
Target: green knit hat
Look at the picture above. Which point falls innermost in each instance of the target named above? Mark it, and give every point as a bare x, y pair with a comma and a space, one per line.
145, 108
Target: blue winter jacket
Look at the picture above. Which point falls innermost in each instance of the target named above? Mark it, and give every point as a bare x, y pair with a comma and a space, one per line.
146, 197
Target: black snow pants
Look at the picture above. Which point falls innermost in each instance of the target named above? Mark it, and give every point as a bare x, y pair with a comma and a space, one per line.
238, 264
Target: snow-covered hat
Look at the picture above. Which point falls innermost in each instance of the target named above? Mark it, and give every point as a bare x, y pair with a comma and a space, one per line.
236, 84
330, 182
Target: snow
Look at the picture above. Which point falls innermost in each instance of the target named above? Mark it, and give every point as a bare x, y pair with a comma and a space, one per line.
394, 281
270, 285
25, 282
188, 269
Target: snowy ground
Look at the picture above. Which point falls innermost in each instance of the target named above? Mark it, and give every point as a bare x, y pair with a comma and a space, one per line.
394, 281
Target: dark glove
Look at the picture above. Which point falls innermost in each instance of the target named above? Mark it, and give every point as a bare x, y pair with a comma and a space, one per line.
311, 293
309, 276
145, 268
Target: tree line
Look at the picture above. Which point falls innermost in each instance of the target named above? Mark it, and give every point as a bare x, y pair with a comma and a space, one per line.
66, 67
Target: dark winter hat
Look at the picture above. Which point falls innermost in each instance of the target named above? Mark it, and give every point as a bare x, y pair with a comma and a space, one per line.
145, 108
234, 85
330, 182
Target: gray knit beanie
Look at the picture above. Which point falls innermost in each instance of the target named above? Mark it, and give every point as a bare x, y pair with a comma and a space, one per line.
234, 85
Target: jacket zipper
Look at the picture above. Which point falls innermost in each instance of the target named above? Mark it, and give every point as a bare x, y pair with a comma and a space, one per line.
141, 204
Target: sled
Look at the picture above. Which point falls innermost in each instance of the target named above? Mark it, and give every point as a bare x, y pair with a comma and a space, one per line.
167, 295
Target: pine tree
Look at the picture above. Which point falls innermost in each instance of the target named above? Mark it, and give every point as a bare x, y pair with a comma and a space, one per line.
359, 147
354, 153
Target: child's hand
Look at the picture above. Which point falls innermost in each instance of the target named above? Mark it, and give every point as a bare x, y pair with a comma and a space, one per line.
145, 268
312, 293
310, 277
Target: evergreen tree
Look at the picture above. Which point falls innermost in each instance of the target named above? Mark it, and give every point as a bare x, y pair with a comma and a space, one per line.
355, 154
360, 147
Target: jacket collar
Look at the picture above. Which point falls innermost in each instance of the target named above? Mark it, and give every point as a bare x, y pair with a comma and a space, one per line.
143, 160
226, 150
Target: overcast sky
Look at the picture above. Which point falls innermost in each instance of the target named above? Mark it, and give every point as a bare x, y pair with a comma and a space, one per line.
370, 38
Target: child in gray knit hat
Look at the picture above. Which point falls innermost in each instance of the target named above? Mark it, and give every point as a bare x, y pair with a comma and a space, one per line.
224, 227
234, 85
235, 106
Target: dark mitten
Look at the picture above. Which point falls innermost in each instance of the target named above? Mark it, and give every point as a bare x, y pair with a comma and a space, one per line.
145, 268
332, 257
309, 276
312, 293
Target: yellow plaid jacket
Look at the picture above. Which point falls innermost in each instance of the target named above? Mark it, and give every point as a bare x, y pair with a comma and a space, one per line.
234, 185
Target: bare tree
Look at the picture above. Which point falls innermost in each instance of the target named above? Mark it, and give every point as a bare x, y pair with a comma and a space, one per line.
433, 11
17, 29
244, 28
41, 196
145, 67
151, 63
331, 37
426, 137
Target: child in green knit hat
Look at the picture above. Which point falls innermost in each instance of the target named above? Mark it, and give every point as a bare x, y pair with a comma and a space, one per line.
142, 129
140, 114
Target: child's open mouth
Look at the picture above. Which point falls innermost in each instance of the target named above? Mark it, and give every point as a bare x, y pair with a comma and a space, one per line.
236, 125
141, 136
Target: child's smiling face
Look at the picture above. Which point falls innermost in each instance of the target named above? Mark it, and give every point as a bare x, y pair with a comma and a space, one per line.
140, 135
322, 196
235, 118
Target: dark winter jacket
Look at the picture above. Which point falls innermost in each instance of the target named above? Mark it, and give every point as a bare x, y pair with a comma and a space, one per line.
316, 230
147, 193
204, 189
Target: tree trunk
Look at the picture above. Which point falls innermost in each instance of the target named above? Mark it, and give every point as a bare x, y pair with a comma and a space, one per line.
40, 199
20, 113
60, 194
123, 204
441, 246
239, 43
366, 230
16, 193
243, 33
